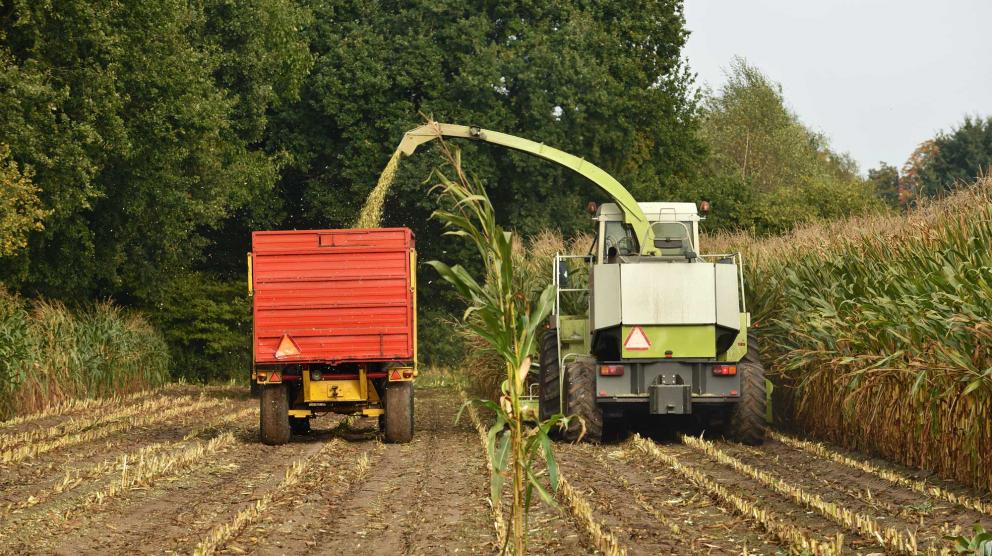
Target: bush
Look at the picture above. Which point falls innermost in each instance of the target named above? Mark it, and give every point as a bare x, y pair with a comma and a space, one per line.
207, 324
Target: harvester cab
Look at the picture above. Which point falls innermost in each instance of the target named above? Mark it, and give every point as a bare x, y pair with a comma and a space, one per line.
645, 324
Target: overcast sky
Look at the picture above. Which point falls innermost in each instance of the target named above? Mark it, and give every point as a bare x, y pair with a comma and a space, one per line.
877, 77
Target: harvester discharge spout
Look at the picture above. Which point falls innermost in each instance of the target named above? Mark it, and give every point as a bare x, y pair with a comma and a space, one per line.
633, 215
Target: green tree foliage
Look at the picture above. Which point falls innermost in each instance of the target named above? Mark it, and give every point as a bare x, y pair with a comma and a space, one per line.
957, 157
20, 208
886, 181
206, 320
766, 171
160, 134
603, 80
141, 122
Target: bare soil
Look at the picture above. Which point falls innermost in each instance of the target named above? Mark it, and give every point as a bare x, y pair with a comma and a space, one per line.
358, 495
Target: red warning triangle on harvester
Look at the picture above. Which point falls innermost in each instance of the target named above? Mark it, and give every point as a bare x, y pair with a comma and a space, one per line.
637, 340
287, 348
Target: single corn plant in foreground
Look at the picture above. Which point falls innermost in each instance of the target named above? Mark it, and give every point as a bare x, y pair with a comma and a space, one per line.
979, 544
507, 320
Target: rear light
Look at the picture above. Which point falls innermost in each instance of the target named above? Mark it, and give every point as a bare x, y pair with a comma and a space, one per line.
316, 375
408, 373
611, 370
262, 377
725, 370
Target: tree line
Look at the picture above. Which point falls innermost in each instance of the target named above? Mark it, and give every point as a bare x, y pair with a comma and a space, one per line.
140, 144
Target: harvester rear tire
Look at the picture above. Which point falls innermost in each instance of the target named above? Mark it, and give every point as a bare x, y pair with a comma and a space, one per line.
274, 415
580, 401
549, 400
398, 427
747, 418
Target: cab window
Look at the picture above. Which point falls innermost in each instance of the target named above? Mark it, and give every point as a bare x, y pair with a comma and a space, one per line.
617, 235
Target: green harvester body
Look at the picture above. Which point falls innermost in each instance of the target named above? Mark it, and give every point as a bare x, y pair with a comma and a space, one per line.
643, 325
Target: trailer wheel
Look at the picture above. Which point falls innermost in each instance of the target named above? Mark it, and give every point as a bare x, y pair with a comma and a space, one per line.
580, 400
747, 418
549, 401
274, 414
399, 412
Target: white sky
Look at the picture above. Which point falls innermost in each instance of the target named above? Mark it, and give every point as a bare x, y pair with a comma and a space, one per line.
876, 76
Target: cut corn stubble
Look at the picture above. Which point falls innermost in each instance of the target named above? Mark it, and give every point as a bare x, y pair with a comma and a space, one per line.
867, 526
797, 538
818, 449
33, 450
297, 473
87, 423
75, 478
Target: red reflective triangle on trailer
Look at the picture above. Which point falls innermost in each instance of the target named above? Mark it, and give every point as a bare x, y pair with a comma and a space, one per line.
637, 340
287, 348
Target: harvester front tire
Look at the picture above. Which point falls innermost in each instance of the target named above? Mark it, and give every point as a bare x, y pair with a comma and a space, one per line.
580, 401
399, 412
747, 418
274, 415
549, 401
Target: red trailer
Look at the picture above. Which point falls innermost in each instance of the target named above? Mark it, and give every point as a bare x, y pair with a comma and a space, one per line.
335, 327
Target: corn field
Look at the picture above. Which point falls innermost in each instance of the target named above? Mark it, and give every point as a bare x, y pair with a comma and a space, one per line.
50, 355
879, 330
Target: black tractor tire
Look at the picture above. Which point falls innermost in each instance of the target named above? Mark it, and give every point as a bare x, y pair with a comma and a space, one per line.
398, 422
254, 388
747, 418
299, 426
549, 399
274, 415
580, 401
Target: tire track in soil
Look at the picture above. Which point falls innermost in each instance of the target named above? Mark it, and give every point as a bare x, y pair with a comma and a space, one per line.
705, 527
890, 504
764, 497
175, 513
425, 497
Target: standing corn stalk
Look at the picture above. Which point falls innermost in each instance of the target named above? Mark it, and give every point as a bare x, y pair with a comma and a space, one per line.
507, 318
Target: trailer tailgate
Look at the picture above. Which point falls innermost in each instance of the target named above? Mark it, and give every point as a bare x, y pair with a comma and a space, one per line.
332, 296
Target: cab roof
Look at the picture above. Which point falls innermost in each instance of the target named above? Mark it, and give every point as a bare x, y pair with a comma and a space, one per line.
655, 212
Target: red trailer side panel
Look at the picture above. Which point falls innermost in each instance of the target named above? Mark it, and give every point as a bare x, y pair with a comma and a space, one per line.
338, 295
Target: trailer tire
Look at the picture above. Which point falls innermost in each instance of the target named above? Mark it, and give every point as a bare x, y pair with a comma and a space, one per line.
549, 401
274, 414
399, 412
747, 418
580, 401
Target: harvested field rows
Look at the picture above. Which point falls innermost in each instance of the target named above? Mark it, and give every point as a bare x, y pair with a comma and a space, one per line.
180, 471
